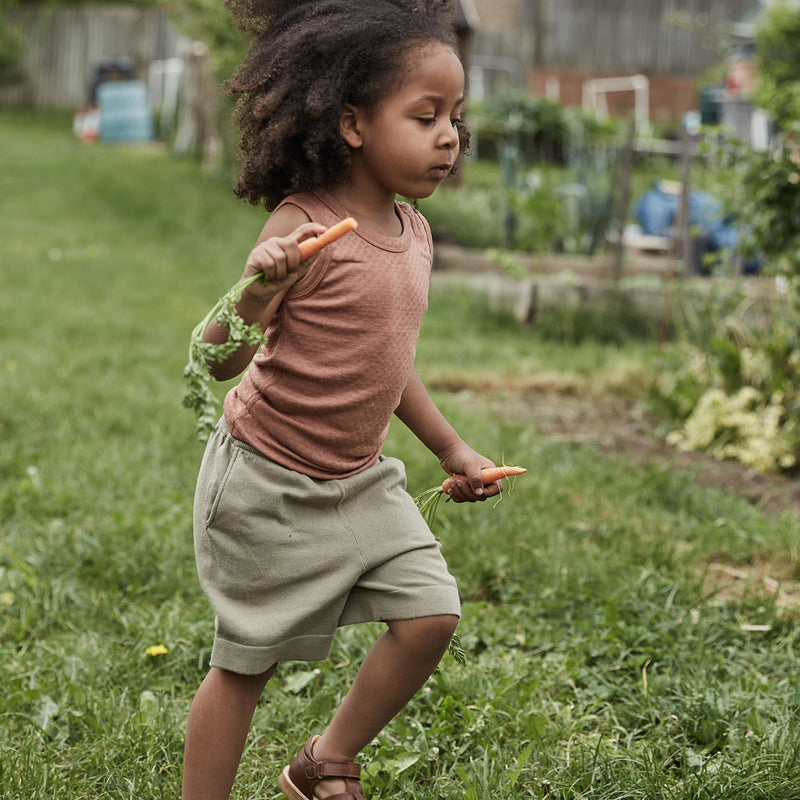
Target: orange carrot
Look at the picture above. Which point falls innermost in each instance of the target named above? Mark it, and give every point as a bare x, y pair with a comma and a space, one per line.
310, 247
489, 475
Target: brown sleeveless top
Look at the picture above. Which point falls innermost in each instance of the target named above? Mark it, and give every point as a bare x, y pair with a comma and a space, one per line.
319, 395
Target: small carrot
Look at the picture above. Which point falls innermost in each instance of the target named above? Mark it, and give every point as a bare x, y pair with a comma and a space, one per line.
310, 247
428, 501
488, 475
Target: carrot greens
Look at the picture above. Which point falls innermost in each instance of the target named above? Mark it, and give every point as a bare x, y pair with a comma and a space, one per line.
199, 397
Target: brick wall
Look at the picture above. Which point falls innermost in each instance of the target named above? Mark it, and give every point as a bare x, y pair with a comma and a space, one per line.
670, 96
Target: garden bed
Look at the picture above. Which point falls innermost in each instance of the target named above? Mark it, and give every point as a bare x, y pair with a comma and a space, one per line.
537, 281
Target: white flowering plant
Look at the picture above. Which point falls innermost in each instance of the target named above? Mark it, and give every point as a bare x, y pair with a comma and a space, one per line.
743, 426
736, 394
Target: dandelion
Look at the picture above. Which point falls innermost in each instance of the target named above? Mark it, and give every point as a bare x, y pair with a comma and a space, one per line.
156, 650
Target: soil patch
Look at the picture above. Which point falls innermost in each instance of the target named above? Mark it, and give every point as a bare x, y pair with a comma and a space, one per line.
612, 424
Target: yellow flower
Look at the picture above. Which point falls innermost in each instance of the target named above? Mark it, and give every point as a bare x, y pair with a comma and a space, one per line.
156, 650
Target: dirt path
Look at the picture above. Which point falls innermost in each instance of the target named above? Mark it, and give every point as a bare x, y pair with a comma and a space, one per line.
610, 424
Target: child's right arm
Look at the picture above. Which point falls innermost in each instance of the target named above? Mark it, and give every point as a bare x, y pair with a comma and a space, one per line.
277, 256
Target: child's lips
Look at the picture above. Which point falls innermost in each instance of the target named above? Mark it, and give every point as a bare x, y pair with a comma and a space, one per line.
441, 171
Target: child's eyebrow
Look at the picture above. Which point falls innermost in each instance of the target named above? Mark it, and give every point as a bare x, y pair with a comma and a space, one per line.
436, 99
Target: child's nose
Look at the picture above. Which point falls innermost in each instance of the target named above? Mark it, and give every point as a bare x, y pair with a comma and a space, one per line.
449, 136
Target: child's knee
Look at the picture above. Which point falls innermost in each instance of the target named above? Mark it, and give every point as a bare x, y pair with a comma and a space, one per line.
425, 632
445, 626
239, 684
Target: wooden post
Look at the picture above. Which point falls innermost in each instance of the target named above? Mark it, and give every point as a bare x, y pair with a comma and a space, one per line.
624, 202
683, 235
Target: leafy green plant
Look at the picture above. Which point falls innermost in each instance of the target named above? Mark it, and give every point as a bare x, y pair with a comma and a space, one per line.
470, 216
565, 203
769, 183
10, 50
778, 51
541, 129
743, 426
613, 321
538, 221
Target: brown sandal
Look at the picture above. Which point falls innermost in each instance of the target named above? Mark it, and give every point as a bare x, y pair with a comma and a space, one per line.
299, 780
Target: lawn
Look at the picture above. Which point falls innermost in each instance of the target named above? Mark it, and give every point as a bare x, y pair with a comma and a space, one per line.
602, 661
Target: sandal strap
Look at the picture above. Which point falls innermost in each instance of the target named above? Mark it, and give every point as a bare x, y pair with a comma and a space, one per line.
317, 770
305, 772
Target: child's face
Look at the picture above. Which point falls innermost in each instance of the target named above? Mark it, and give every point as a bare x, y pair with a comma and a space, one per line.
410, 143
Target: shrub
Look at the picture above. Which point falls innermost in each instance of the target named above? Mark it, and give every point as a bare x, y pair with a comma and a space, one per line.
472, 218
734, 389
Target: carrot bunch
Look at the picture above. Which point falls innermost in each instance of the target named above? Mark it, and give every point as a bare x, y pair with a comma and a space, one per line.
199, 396
428, 501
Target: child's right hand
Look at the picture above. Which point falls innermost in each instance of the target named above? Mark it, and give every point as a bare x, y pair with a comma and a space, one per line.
278, 258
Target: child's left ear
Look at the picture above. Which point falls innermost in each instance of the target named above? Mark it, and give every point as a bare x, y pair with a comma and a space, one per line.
349, 127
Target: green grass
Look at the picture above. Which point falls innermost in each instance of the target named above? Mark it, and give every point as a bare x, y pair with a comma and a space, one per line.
601, 661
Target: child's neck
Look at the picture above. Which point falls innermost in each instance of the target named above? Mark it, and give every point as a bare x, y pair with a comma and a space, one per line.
374, 210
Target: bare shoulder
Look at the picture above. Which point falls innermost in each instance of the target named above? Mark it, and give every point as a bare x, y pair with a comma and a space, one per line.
283, 221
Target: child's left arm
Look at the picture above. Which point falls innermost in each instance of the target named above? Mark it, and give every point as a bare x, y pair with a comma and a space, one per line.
418, 411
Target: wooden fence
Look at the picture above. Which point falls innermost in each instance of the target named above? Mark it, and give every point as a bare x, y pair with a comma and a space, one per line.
62, 46
655, 37
664, 38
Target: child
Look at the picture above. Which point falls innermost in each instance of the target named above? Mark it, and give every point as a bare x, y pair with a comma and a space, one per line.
301, 524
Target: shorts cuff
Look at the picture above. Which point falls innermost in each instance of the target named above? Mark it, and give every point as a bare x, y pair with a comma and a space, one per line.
432, 602
253, 660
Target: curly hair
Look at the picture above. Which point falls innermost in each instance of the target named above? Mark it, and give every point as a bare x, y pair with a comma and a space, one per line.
308, 60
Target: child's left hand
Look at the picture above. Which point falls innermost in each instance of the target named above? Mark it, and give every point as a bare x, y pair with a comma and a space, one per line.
466, 464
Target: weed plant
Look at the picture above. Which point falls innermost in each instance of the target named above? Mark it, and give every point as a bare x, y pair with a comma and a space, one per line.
602, 662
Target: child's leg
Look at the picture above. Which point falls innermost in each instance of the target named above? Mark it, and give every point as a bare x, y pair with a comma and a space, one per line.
394, 670
215, 736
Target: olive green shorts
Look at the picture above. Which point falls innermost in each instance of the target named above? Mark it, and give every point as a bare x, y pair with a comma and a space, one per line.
285, 559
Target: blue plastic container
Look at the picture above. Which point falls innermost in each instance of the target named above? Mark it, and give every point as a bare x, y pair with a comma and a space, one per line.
125, 114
